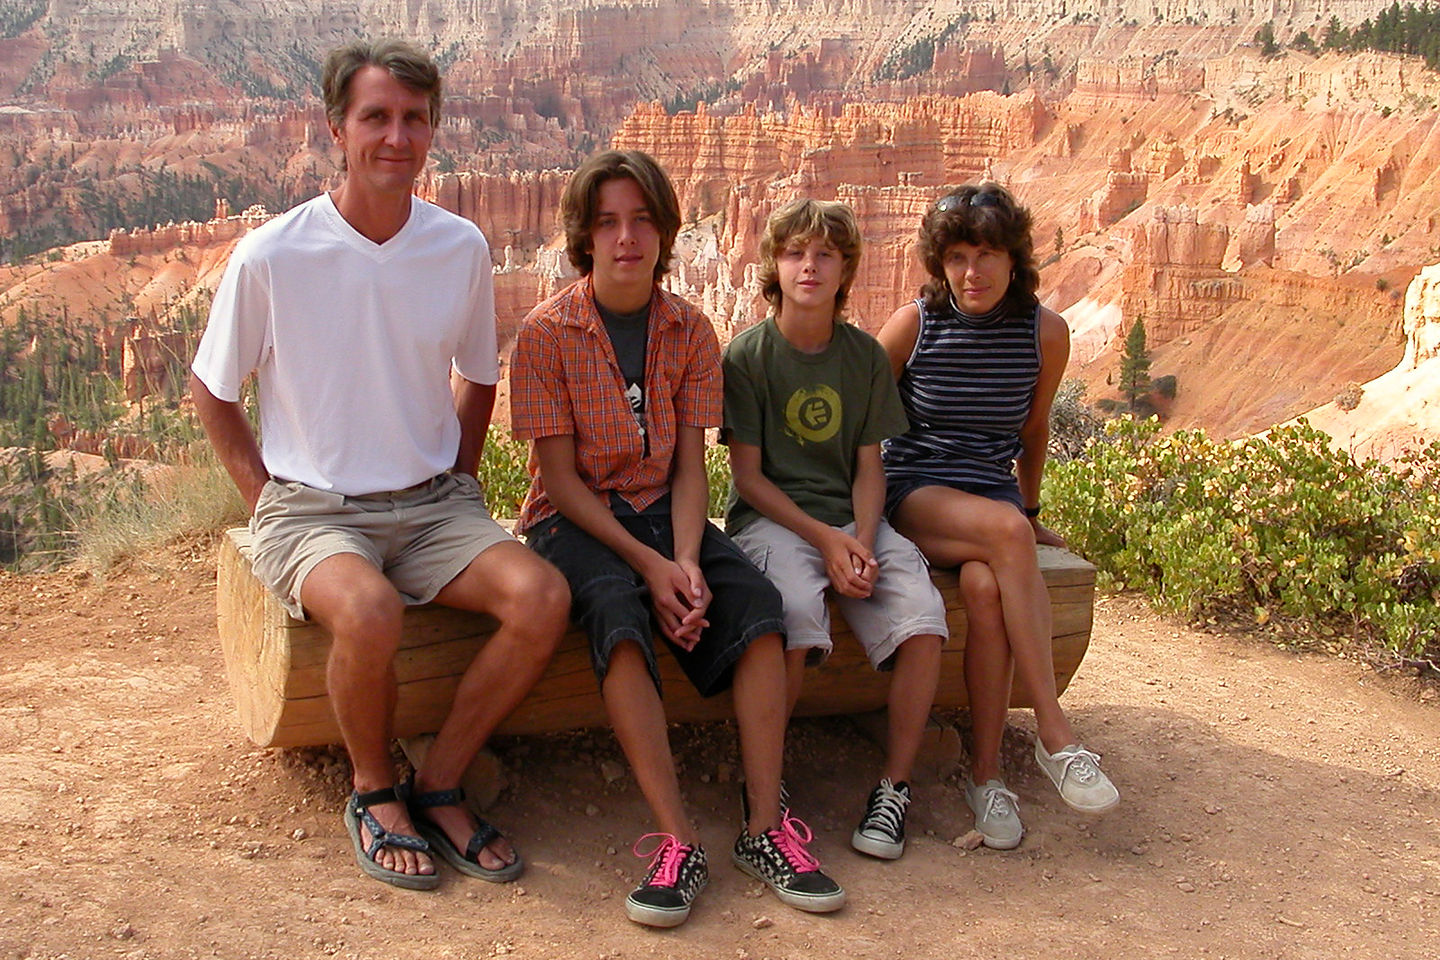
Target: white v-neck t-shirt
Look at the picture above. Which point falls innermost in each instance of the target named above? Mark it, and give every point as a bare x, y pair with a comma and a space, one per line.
353, 343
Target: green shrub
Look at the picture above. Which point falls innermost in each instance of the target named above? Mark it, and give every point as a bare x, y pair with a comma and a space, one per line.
1072, 424
717, 471
1283, 526
503, 474
505, 479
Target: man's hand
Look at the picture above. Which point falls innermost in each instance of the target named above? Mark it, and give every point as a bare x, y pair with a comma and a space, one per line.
680, 597
849, 564
252, 497
229, 431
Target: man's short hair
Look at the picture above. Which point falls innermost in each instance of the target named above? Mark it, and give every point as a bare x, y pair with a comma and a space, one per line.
579, 204
405, 62
805, 220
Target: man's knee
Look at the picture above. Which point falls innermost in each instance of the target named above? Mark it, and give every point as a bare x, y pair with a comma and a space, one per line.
355, 602
541, 595
533, 596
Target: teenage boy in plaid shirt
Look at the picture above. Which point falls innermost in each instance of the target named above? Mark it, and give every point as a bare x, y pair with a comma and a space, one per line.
615, 381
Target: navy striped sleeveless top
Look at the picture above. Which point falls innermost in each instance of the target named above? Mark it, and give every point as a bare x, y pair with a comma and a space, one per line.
967, 389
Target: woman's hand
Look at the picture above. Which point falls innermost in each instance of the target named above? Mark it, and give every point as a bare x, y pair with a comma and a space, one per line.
1044, 535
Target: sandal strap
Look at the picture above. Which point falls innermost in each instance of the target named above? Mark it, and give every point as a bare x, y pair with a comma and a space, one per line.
391, 794
435, 798
485, 833
379, 836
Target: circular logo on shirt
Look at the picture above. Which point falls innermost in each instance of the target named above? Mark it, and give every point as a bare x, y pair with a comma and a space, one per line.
813, 413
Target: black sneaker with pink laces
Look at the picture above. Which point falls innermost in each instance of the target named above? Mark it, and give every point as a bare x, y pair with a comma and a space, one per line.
677, 874
779, 859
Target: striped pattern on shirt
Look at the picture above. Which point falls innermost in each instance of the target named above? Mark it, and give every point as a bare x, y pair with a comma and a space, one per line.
967, 390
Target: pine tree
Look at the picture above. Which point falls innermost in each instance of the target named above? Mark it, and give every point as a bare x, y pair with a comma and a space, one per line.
1135, 364
1335, 34
1265, 37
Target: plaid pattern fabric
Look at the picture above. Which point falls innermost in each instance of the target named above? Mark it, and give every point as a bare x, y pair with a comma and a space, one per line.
566, 381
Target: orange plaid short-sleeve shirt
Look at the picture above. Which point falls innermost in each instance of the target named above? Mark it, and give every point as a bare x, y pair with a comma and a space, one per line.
565, 381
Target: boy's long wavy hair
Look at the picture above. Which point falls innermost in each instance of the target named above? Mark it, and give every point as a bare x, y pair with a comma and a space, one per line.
581, 201
803, 220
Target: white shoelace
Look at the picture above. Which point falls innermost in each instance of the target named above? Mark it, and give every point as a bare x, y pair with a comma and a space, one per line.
1000, 802
1081, 765
889, 810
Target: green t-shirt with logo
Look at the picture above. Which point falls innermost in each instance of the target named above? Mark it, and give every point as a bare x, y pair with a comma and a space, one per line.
808, 413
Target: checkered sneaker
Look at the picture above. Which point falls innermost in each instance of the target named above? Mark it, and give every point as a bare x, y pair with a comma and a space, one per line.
778, 858
677, 874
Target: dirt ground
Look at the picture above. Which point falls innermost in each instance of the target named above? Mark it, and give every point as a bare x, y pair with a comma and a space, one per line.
1273, 805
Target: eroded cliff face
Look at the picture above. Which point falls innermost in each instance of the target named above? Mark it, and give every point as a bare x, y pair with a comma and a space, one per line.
1174, 280
1400, 409
925, 141
223, 228
1173, 173
1181, 190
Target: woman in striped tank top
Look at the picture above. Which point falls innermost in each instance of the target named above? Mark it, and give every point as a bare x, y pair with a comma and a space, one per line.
978, 361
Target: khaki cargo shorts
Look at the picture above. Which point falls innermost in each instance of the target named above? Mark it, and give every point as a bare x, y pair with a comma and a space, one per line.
420, 538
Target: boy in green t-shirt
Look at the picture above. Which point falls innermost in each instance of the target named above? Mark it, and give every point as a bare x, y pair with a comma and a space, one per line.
808, 399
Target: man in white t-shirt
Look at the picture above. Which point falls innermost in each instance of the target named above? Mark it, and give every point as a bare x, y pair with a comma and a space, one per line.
368, 317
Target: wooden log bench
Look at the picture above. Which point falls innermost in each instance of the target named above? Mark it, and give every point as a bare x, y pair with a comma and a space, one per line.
276, 664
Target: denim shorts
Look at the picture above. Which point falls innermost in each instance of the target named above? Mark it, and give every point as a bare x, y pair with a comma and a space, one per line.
899, 488
612, 602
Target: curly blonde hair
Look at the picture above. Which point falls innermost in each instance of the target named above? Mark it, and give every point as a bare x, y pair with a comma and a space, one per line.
805, 220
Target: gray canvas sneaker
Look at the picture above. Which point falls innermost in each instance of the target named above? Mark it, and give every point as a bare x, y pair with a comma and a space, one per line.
1076, 773
997, 813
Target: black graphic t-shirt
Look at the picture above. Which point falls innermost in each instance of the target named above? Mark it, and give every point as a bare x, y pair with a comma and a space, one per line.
628, 336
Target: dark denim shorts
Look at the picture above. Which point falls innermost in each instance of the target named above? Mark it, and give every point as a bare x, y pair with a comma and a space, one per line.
612, 602
901, 487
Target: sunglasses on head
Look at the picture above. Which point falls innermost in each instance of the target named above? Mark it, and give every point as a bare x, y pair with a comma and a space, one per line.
954, 201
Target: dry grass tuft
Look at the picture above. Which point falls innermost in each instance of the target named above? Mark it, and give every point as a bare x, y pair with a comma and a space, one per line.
178, 502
